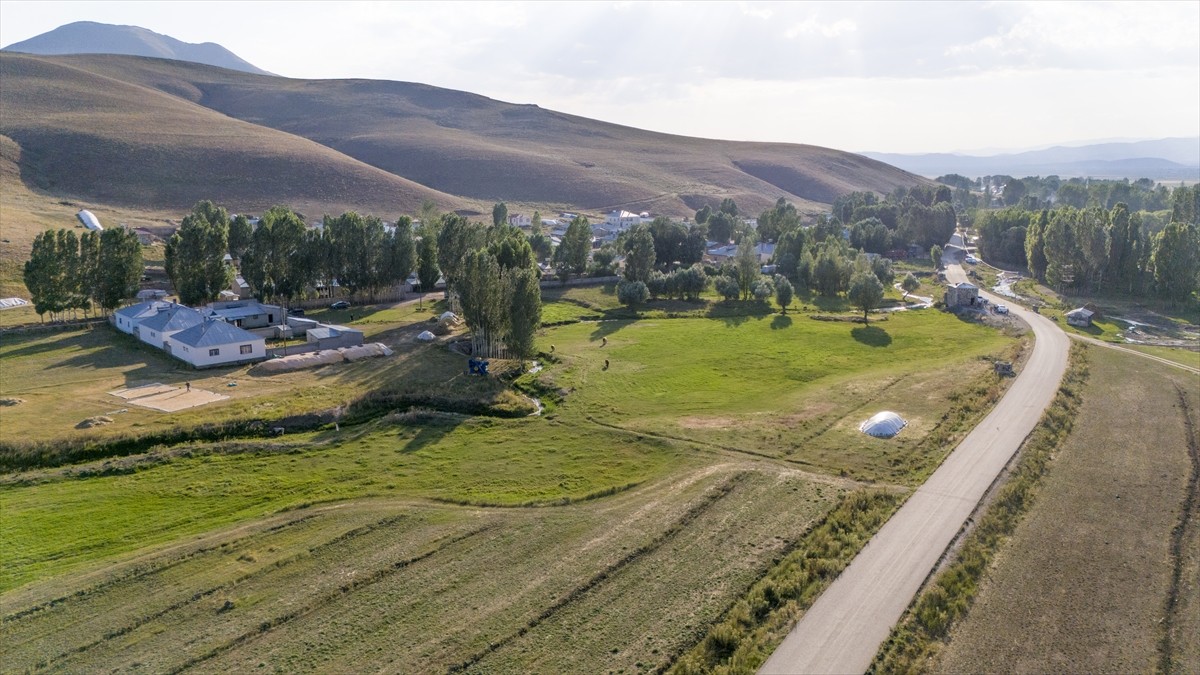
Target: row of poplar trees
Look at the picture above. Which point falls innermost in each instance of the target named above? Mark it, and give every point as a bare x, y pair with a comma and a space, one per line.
97, 270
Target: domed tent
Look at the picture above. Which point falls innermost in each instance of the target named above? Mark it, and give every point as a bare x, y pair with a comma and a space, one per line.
883, 425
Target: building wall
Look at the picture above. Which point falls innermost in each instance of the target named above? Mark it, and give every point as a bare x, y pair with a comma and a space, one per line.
227, 354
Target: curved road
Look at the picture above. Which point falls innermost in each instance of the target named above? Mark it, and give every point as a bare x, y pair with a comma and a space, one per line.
843, 629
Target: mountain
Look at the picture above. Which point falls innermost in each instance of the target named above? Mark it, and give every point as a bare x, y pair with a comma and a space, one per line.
152, 132
88, 37
1167, 158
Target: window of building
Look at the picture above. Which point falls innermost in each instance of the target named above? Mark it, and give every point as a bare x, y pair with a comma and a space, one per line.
216, 351
247, 349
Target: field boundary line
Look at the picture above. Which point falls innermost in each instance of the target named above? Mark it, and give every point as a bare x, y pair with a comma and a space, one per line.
1144, 355
1179, 535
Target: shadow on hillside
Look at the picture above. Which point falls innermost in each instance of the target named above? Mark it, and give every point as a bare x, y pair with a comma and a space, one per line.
737, 312
781, 321
608, 327
872, 336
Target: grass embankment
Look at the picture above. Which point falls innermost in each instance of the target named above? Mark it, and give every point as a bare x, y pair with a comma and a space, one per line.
758, 621
917, 636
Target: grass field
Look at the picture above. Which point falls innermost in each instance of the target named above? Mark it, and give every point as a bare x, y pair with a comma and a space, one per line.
615, 529
1083, 585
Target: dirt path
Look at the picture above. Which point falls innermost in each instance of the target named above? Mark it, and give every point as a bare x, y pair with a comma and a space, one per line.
1144, 355
842, 631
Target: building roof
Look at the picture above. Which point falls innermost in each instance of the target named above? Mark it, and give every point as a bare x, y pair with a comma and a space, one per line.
964, 286
173, 317
243, 310
1081, 312
331, 331
142, 309
213, 333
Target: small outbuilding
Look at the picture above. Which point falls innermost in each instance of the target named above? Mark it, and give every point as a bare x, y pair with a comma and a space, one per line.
326, 336
883, 425
1080, 317
962, 294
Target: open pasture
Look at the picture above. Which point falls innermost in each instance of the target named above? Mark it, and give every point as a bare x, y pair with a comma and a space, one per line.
784, 386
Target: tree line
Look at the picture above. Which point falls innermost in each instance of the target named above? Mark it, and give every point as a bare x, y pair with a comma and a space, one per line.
1094, 249
69, 273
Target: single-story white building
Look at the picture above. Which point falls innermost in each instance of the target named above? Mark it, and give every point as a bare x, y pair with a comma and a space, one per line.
719, 254
213, 342
327, 336
246, 313
154, 330
126, 318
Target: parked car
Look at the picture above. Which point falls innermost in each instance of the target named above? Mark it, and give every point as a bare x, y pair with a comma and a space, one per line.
296, 311
340, 304
1001, 309
972, 260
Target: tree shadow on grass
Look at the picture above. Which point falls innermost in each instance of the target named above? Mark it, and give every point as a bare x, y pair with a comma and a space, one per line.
737, 312
872, 336
781, 321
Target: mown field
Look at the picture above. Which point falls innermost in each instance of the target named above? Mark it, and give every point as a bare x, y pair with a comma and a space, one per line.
1101, 575
608, 533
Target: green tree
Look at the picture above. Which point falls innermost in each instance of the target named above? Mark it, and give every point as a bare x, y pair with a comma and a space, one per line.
865, 292
402, 254
195, 255
639, 254
535, 224
456, 238
571, 256
1176, 261
784, 292
500, 214
935, 254
909, 284
1035, 245
747, 265
632, 293
240, 234
47, 276
119, 268
728, 206
525, 312
427, 259
721, 227
727, 287
703, 214
87, 271
276, 263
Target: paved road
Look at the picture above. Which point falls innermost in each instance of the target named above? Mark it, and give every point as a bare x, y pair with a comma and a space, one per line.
843, 629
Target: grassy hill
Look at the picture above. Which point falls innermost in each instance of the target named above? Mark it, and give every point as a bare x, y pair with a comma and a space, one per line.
180, 131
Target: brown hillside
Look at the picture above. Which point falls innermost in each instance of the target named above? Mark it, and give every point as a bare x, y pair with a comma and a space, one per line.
452, 142
83, 134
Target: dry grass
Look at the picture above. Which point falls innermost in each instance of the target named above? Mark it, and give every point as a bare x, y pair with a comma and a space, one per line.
287, 140
1083, 583
622, 583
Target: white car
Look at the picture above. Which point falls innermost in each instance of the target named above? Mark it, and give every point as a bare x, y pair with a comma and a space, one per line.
1001, 309
972, 260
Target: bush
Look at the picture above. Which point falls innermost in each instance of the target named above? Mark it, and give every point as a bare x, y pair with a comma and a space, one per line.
632, 293
727, 287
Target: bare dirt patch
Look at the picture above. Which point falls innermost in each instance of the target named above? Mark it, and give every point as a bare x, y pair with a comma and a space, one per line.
707, 422
167, 398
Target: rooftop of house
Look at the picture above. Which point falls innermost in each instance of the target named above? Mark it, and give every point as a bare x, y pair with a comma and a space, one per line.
212, 333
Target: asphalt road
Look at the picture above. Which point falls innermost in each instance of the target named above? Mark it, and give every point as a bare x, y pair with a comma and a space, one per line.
844, 628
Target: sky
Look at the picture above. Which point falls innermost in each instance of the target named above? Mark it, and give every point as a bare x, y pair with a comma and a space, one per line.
908, 77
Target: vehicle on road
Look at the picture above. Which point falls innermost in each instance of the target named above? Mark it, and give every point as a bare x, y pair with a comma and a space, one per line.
972, 260
340, 304
296, 311
1001, 309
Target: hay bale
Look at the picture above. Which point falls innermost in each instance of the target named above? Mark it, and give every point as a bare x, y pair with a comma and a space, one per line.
288, 364
97, 421
366, 351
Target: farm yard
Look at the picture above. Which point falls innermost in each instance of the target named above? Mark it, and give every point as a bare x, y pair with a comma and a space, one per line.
615, 528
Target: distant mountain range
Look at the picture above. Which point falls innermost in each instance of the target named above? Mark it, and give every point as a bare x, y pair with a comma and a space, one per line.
1167, 158
89, 37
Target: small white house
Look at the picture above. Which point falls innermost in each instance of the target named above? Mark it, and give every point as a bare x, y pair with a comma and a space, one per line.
213, 342
154, 330
246, 313
520, 220
126, 318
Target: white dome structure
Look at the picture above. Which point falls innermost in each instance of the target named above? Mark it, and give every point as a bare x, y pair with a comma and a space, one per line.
426, 336
883, 425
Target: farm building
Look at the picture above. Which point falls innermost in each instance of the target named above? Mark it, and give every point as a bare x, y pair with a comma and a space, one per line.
331, 337
170, 319
89, 220
962, 294
213, 342
1081, 317
246, 313
126, 318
